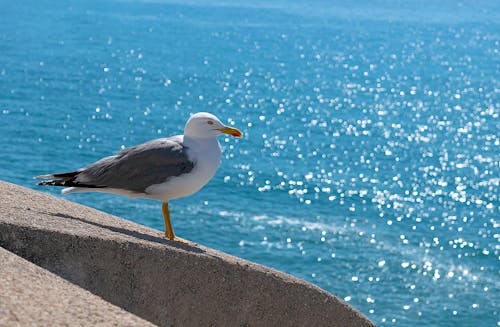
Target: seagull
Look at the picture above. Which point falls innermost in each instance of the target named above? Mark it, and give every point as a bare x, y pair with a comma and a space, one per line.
161, 169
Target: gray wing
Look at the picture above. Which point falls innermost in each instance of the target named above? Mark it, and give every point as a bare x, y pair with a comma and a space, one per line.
138, 167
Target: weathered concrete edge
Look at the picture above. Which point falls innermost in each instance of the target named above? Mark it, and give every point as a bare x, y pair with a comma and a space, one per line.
33, 296
133, 267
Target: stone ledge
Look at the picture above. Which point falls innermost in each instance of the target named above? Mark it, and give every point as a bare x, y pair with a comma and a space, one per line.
164, 282
32, 296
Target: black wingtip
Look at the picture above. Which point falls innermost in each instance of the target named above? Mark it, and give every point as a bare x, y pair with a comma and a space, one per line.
52, 183
67, 183
62, 179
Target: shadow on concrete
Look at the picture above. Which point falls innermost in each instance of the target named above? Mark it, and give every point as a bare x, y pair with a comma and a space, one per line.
132, 233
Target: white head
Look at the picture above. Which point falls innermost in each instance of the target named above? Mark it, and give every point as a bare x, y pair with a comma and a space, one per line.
206, 125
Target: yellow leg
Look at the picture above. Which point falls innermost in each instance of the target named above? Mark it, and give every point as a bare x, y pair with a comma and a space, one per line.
169, 231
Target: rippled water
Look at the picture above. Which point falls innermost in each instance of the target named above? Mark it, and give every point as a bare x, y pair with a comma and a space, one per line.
370, 163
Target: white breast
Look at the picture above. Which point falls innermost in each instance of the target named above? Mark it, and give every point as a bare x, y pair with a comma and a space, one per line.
206, 155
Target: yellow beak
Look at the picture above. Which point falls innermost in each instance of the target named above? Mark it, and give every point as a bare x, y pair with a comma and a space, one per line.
230, 131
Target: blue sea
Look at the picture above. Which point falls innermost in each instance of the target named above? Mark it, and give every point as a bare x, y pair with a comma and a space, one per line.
370, 159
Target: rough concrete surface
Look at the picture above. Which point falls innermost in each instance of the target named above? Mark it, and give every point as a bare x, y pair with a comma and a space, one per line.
164, 282
32, 296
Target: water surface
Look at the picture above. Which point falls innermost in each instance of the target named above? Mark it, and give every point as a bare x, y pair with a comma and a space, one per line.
370, 163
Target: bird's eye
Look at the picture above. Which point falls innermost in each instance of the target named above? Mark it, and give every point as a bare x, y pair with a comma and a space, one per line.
210, 122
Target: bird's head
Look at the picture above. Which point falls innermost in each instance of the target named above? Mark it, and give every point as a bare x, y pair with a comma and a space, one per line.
205, 125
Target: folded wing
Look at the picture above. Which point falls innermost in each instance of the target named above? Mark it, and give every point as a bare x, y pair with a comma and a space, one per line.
132, 169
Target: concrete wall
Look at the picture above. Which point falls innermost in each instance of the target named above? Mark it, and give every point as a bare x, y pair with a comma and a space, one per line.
166, 283
32, 296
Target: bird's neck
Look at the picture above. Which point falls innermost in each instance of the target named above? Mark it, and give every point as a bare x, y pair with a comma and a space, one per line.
205, 142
